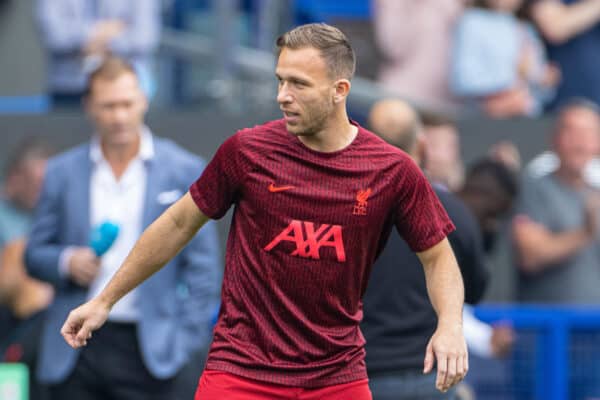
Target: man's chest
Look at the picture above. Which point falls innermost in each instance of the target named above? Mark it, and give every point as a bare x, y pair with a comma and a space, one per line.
316, 214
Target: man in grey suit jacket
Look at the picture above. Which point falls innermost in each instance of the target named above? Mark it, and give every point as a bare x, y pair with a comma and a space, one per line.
126, 177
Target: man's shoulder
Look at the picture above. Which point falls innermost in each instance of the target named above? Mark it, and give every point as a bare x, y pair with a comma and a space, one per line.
259, 139
71, 157
175, 154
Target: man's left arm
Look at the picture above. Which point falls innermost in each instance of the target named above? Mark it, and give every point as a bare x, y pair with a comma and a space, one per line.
446, 292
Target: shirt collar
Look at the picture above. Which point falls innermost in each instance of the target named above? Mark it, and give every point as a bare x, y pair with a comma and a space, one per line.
145, 153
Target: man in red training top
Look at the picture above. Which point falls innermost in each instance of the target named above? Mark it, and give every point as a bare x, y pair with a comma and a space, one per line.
315, 198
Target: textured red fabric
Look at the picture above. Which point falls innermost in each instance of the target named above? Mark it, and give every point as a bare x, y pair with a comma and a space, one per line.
222, 385
306, 230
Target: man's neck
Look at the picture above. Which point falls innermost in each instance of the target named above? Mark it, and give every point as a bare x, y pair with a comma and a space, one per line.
336, 135
119, 156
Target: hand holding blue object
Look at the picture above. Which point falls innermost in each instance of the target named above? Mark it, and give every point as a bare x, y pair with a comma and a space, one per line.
103, 236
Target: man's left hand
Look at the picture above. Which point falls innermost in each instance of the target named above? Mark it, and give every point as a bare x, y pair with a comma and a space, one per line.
448, 349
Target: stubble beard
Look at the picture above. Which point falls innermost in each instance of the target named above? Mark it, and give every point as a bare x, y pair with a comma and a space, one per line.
314, 121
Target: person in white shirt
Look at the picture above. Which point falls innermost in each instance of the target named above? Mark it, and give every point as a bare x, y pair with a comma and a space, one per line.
127, 177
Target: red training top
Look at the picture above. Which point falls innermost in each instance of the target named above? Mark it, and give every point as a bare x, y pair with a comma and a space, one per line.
306, 230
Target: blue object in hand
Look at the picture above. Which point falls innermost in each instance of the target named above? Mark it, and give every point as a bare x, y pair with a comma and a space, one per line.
103, 236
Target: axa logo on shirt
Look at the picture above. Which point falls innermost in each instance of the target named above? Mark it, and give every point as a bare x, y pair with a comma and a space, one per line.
309, 241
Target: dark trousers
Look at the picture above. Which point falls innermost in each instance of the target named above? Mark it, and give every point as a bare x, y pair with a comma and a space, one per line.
110, 367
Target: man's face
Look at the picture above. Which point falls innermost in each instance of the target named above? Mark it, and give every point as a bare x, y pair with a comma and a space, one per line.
306, 90
578, 139
117, 108
442, 153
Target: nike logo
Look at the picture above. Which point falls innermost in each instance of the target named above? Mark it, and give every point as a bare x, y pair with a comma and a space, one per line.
275, 189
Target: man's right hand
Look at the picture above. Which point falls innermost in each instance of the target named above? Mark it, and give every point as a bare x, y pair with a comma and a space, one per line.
82, 321
83, 266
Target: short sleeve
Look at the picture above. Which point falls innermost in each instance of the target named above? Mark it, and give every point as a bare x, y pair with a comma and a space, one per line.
420, 217
219, 185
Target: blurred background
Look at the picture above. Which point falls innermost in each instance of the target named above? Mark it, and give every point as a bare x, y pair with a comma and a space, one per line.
486, 77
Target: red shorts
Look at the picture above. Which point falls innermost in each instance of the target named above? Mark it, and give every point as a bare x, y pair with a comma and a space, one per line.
217, 385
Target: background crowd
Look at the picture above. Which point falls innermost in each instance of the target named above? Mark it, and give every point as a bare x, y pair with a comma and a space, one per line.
527, 215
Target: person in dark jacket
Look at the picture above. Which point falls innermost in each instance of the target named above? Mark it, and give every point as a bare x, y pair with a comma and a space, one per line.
398, 316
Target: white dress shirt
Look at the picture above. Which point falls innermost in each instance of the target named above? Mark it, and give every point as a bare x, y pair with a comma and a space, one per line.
120, 201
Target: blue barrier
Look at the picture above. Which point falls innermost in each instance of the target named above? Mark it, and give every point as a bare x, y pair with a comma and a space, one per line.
24, 104
327, 10
556, 357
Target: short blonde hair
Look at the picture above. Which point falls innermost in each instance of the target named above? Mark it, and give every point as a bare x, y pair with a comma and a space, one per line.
110, 69
329, 40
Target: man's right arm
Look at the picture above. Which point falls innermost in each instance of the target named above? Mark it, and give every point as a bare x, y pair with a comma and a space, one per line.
159, 243
559, 22
539, 248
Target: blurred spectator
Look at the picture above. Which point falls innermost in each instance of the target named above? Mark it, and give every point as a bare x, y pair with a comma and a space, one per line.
442, 159
23, 296
23, 177
489, 191
398, 316
414, 39
571, 30
22, 299
547, 162
125, 176
78, 34
499, 61
556, 231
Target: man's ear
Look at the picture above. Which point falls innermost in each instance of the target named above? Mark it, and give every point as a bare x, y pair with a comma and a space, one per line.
342, 89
